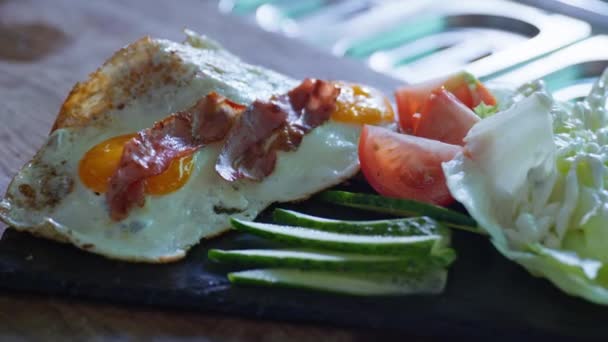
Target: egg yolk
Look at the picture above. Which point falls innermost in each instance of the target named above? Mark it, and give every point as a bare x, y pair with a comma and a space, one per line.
100, 162
362, 105
172, 179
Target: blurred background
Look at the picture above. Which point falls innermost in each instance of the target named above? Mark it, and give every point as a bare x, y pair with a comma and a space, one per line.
564, 42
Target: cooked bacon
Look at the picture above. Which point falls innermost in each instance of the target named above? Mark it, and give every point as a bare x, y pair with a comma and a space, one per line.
151, 152
314, 100
250, 151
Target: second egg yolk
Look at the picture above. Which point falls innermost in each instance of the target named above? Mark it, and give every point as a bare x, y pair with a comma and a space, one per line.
101, 161
362, 105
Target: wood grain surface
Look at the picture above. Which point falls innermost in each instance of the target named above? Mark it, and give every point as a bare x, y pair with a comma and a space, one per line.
51, 319
47, 46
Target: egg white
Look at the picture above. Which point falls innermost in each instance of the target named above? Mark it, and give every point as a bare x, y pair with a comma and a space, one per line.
168, 225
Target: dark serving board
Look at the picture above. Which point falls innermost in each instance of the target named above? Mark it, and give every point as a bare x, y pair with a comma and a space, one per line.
486, 295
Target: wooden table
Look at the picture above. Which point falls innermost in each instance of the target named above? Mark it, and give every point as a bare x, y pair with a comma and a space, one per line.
47, 46
40, 318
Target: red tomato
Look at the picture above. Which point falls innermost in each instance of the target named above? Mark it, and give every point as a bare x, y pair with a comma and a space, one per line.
411, 98
404, 166
443, 118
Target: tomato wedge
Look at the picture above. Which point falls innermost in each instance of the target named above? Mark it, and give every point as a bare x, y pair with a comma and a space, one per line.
443, 118
404, 166
465, 87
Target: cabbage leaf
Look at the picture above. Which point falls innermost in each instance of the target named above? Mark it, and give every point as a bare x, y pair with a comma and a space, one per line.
534, 176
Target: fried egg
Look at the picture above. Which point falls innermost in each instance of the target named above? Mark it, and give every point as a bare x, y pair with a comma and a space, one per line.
60, 193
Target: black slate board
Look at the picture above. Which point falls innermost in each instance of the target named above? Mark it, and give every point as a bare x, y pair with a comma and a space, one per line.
486, 295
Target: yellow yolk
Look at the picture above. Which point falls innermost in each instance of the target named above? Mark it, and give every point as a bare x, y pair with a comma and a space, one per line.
362, 105
100, 162
172, 179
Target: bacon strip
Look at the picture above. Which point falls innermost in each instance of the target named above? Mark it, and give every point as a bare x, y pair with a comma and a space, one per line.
250, 151
151, 152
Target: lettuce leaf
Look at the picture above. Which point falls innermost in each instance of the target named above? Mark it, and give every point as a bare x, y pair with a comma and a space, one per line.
483, 110
534, 177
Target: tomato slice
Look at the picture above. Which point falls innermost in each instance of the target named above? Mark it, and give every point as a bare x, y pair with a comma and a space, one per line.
443, 118
404, 166
465, 87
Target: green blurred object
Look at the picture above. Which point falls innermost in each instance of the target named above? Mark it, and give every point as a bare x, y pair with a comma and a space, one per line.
567, 77
242, 7
288, 9
420, 27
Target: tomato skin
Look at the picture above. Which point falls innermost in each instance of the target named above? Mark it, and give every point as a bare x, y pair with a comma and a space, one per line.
409, 102
444, 118
464, 86
404, 166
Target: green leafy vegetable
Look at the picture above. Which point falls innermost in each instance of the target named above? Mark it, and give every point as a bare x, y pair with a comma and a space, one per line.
534, 177
483, 110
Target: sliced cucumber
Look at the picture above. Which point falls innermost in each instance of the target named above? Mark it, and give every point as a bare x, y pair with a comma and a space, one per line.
400, 207
361, 284
325, 260
397, 227
305, 237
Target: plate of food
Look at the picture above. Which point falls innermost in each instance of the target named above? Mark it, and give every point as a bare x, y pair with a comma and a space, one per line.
179, 175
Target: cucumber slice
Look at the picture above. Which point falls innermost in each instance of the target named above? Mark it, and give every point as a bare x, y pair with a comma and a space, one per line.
305, 237
325, 260
397, 227
400, 207
360, 284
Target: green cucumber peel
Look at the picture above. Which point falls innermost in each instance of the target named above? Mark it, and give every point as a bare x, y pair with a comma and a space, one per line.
328, 260
401, 207
306, 237
348, 283
392, 227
